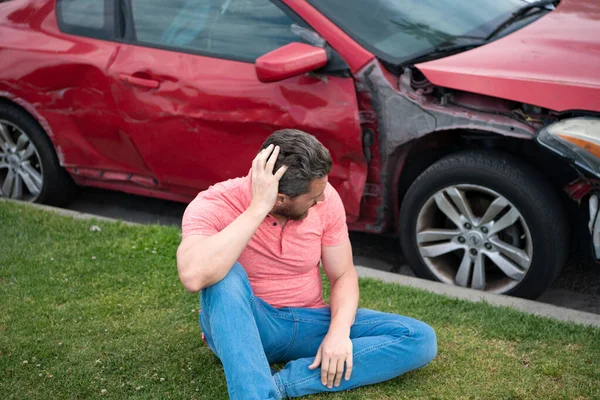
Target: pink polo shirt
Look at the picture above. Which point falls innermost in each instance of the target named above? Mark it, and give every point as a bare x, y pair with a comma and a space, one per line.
282, 264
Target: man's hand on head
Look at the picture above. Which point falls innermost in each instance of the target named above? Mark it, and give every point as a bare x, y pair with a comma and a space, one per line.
265, 183
334, 353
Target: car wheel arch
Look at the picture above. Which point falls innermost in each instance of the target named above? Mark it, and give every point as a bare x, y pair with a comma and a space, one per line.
6, 99
413, 158
39, 166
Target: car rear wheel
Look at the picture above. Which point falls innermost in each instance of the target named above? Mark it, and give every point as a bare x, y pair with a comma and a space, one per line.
29, 168
484, 221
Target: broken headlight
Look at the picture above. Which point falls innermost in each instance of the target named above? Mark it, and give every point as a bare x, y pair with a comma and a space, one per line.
577, 139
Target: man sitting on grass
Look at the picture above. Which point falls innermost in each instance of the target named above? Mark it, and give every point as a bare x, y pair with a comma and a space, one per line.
252, 245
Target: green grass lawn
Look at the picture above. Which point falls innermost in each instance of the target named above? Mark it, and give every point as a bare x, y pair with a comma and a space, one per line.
102, 314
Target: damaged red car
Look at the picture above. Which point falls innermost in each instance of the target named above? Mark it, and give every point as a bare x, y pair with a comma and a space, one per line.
472, 133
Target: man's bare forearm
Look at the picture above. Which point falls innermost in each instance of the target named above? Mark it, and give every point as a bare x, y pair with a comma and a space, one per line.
344, 301
207, 261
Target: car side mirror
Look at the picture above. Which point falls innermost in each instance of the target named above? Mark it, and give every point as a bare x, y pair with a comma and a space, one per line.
290, 60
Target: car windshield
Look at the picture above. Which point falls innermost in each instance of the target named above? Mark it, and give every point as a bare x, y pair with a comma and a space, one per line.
401, 30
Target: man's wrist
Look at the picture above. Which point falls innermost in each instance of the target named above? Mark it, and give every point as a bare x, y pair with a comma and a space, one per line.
257, 212
340, 328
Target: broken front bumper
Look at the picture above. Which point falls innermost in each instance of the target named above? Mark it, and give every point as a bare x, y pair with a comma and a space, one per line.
578, 141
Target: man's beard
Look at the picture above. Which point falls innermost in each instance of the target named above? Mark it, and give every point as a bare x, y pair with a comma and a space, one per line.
290, 214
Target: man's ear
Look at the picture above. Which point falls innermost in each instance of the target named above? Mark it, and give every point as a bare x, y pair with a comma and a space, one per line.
281, 199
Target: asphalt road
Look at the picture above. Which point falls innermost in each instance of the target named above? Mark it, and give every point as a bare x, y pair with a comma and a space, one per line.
578, 286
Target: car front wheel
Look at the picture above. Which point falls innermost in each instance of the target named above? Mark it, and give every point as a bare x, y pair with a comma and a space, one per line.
485, 221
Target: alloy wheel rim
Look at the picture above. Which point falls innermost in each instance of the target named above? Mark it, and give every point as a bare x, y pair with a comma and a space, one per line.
471, 236
21, 174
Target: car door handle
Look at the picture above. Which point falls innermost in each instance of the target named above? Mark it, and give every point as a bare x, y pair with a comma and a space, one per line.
134, 80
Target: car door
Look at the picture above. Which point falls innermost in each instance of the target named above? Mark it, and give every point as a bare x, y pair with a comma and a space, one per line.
187, 87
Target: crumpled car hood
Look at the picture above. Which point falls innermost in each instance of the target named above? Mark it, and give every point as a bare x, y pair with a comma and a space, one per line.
553, 62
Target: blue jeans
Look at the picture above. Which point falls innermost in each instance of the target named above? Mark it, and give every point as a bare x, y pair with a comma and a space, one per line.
247, 334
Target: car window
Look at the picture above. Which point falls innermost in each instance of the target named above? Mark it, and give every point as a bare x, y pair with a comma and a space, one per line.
85, 17
235, 29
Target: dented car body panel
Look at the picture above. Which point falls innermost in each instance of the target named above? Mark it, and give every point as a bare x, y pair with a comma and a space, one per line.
405, 115
168, 124
192, 134
72, 95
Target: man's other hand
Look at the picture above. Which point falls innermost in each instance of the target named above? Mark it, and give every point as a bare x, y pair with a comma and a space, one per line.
334, 352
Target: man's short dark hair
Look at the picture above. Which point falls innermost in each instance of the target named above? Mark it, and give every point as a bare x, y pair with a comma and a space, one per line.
307, 159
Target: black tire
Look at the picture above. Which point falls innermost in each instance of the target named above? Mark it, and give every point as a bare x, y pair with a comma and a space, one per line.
58, 189
527, 190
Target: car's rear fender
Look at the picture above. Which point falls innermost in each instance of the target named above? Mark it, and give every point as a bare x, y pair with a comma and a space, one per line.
9, 98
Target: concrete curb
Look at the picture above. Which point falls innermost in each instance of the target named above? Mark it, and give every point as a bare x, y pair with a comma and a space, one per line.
528, 306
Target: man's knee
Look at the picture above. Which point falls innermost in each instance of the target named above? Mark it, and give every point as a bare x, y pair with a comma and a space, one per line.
234, 284
426, 342
418, 338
